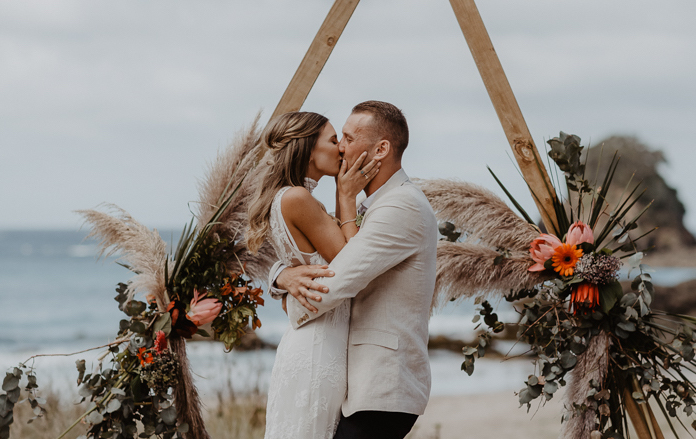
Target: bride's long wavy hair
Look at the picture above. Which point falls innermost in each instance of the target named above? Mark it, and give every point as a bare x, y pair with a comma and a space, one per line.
291, 138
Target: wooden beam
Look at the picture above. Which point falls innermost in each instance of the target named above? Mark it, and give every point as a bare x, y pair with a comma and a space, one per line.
316, 56
500, 92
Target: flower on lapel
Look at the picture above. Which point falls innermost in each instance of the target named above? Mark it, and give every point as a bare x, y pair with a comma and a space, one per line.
359, 219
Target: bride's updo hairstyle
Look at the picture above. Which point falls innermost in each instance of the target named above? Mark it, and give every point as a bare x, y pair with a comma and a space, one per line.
290, 137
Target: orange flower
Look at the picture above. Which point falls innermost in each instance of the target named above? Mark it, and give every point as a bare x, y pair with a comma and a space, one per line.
255, 295
585, 295
144, 356
564, 258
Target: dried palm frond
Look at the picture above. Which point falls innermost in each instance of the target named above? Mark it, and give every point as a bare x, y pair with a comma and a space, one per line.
234, 165
141, 249
495, 256
592, 365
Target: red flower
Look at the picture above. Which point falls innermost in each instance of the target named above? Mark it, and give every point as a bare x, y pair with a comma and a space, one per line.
181, 324
160, 342
584, 296
144, 356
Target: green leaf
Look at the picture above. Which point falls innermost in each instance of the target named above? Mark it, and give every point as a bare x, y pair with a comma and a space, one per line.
202, 332
135, 307
13, 395
550, 387
609, 294
468, 365
568, 360
81, 368
6, 420
139, 389
137, 327
10, 382
94, 418
627, 326
6, 406
169, 415
468, 350
163, 323
517, 205
525, 397
113, 405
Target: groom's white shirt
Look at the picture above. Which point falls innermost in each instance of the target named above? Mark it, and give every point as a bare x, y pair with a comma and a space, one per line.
388, 270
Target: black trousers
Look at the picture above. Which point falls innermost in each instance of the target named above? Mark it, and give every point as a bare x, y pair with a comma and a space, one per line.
375, 425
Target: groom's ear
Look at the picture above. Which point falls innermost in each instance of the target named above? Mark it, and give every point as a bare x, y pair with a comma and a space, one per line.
382, 150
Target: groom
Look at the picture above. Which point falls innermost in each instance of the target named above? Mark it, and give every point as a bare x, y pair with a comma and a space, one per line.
388, 270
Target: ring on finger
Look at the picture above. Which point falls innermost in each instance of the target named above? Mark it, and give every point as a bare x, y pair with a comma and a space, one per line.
362, 172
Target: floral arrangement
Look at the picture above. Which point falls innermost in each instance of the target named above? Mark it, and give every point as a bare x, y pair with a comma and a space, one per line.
146, 389
138, 385
584, 328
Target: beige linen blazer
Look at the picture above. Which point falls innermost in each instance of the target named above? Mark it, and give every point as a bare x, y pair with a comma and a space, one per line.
388, 270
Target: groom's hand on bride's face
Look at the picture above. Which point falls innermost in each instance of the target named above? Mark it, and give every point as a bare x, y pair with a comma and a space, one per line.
298, 281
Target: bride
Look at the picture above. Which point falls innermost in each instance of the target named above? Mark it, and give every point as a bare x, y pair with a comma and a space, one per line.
308, 382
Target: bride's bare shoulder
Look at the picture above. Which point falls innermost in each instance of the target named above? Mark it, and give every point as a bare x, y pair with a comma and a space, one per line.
298, 199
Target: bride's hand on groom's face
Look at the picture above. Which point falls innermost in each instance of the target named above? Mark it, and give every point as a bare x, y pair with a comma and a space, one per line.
351, 181
298, 281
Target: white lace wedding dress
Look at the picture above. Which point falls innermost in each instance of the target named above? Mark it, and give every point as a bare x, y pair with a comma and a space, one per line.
308, 382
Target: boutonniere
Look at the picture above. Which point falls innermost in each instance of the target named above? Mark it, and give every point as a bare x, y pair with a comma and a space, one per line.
359, 219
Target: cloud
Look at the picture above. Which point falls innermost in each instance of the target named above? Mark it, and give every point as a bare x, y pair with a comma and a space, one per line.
125, 102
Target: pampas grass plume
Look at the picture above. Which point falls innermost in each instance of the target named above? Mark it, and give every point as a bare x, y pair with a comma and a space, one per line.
143, 250
465, 269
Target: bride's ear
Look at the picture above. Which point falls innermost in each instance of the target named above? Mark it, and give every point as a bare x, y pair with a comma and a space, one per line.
382, 150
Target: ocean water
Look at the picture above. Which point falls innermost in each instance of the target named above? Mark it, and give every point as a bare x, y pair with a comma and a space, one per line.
56, 297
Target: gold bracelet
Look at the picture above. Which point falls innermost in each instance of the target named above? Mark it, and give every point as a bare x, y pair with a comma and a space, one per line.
346, 222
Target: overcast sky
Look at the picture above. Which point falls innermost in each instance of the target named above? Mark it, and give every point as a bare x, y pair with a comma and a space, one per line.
125, 102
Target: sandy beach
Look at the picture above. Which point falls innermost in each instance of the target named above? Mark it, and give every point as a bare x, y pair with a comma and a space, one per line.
487, 416
498, 415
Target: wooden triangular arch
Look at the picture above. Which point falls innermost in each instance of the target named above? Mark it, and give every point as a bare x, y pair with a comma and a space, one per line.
491, 72
505, 105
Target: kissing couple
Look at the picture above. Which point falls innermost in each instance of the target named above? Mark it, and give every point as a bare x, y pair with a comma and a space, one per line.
354, 361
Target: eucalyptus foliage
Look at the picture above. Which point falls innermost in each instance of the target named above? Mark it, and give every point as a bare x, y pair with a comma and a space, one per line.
650, 354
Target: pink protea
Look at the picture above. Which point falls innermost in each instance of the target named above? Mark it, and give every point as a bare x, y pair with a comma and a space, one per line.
542, 249
578, 233
203, 311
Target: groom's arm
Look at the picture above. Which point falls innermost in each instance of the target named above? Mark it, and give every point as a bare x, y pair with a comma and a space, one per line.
389, 235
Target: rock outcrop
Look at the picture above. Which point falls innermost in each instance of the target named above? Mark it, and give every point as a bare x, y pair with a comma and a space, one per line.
639, 163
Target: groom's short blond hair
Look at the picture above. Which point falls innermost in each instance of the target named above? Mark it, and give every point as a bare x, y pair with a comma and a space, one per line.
388, 123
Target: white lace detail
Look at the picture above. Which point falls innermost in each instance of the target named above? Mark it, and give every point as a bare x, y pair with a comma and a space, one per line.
308, 381
310, 184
